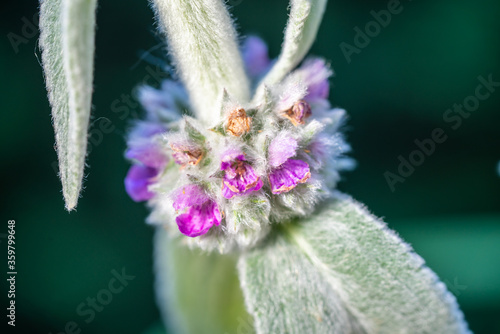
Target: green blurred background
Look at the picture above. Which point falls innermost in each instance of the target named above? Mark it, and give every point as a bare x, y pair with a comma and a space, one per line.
396, 90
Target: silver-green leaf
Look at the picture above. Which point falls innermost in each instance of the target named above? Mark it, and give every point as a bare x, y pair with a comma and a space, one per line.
302, 27
67, 40
343, 271
198, 292
203, 45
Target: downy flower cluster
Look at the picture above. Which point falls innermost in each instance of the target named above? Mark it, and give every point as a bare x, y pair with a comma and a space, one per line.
256, 164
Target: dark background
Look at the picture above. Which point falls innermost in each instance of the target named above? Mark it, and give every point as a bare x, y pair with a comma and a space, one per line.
395, 90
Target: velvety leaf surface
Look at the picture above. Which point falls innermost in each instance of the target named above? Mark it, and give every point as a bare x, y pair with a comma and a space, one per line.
204, 48
198, 292
67, 41
344, 271
303, 23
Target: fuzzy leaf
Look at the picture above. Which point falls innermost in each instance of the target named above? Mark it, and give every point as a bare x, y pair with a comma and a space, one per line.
302, 27
67, 42
343, 271
198, 292
203, 44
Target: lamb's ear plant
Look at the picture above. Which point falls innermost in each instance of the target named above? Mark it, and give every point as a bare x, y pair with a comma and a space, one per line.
239, 164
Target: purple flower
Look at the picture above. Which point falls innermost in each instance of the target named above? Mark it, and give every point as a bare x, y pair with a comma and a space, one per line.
315, 74
288, 176
163, 104
200, 212
281, 149
144, 130
150, 154
318, 151
239, 177
286, 173
138, 180
150, 157
255, 56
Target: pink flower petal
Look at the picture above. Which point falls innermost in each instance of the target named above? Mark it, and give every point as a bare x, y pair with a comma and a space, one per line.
288, 176
281, 149
315, 75
239, 176
189, 195
148, 153
199, 219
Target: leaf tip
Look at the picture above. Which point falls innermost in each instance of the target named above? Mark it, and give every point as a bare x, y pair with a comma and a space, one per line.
70, 202
70, 198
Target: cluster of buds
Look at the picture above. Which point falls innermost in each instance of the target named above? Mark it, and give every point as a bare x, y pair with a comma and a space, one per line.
259, 163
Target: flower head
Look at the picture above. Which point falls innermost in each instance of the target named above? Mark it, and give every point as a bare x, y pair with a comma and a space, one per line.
239, 177
260, 160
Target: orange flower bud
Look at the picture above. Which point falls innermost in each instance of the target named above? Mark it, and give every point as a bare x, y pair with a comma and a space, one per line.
238, 123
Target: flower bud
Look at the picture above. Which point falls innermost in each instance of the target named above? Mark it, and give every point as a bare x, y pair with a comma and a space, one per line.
238, 123
186, 154
298, 113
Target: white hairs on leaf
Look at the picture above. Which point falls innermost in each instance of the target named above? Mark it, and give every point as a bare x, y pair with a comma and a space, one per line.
302, 27
203, 45
197, 292
67, 42
343, 271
